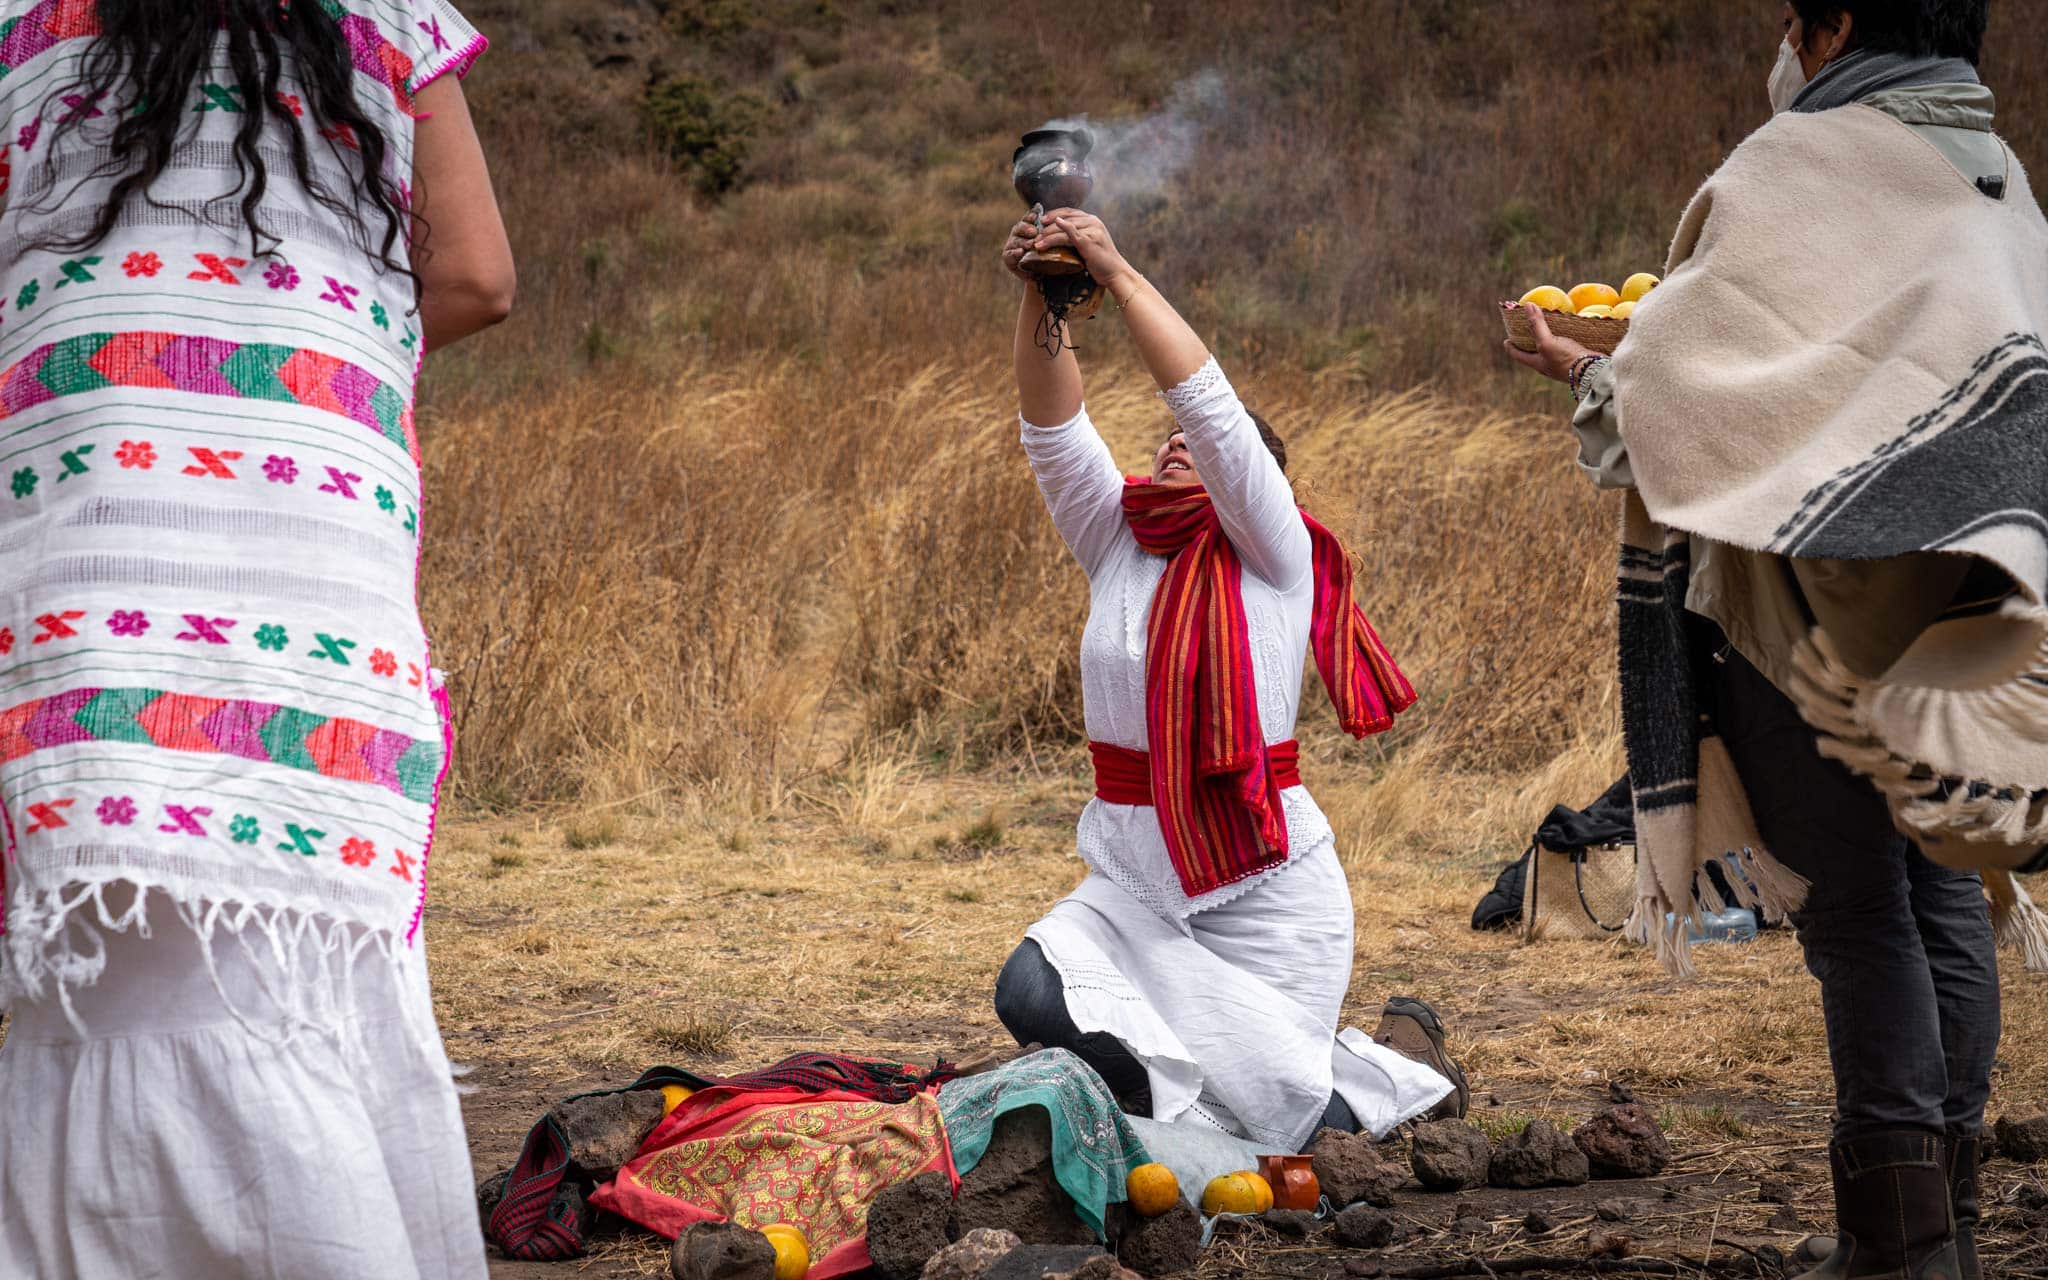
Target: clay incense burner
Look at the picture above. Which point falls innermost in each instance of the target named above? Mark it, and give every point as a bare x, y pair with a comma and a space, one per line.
1051, 171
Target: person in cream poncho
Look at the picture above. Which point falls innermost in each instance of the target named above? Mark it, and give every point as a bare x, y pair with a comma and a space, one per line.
1830, 421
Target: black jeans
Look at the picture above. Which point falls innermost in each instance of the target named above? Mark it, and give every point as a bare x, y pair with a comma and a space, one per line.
1902, 947
1033, 1007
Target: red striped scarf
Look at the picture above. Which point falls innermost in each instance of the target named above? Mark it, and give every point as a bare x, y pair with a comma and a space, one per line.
1215, 793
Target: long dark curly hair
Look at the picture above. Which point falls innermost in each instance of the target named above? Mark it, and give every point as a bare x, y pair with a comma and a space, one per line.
150, 54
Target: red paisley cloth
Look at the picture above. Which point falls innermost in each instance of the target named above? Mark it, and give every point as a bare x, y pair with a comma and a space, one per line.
1212, 782
760, 1156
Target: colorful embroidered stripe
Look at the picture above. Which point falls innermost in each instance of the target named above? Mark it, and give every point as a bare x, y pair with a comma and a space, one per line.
264, 731
207, 366
375, 56
44, 27
51, 22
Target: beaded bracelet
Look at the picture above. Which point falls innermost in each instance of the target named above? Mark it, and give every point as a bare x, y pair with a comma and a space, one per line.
1581, 374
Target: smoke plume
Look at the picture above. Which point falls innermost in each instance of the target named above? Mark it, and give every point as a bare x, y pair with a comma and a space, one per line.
1137, 159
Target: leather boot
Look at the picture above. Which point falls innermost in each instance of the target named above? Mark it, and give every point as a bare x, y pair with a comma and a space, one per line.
1892, 1206
1964, 1157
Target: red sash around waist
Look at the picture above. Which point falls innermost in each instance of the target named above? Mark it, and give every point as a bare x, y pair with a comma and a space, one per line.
1123, 776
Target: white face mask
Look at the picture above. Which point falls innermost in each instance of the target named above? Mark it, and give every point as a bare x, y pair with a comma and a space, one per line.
1787, 79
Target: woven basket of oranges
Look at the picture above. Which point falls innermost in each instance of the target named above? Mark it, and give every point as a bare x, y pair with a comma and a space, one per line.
1595, 316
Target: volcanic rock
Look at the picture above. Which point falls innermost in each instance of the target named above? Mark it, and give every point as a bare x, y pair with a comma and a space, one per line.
1538, 1156
909, 1223
1162, 1246
1296, 1223
1471, 1227
1623, 1141
1538, 1223
972, 1256
488, 1193
1013, 1188
1364, 1227
1450, 1155
1612, 1211
1099, 1266
1046, 1261
605, 1130
721, 1251
2023, 1141
1350, 1170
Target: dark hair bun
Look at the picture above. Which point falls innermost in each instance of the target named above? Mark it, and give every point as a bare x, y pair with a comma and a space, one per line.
1274, 444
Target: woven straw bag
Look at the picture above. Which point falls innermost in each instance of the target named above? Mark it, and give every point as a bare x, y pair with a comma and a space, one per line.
1579, 895
1594, 333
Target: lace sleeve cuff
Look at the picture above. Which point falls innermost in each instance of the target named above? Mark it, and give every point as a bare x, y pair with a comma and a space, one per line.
1198, 385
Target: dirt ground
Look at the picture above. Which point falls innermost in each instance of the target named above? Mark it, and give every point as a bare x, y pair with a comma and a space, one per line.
871, 914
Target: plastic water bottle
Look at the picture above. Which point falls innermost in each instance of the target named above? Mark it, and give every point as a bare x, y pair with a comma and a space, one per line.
1737, 924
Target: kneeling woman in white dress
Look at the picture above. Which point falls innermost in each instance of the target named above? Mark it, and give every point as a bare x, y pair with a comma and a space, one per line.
1202, 966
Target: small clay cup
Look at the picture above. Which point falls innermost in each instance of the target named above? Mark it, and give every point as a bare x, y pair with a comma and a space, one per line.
1293, 1181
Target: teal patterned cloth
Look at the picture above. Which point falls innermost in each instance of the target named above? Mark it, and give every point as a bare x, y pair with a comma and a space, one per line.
1093, 1145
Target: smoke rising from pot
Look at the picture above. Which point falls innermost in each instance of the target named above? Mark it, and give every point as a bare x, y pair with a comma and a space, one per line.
1136, 159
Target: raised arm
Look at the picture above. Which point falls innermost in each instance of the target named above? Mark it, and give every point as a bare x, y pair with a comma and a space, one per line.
1076, 474
1252, 497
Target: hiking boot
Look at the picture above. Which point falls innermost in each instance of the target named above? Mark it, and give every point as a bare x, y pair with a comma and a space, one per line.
1411, 1028
1964, 1157
1892, 1205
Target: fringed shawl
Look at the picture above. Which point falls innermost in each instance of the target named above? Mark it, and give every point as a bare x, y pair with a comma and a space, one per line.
1845, 362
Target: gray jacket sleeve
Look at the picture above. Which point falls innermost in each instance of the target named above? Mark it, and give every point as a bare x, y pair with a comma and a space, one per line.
1602, 455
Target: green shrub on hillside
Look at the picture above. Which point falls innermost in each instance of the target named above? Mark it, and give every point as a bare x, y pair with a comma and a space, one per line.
700, 129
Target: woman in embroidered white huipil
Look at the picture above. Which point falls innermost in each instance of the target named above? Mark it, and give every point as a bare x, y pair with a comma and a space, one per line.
1205, 990
220, 736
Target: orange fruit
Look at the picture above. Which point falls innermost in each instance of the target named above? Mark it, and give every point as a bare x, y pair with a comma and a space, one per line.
1231, 1193
1550, 298
673, 1096
1152, 1189
1263, 1188
792, 1251
1638, 286
1624, 310
1591, 295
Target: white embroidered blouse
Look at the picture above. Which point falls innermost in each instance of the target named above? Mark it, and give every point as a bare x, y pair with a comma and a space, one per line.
1084, 491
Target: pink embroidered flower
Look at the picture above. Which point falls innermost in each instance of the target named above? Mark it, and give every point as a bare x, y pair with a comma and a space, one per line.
141, 264
357, 852
128, 622
290, 102
383, 663
6, 641
281, 275
29, 132
139, 454
279, 470
116, 811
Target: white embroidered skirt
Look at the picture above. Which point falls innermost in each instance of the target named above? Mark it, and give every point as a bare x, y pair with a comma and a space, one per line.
169, 1139
1235, 1015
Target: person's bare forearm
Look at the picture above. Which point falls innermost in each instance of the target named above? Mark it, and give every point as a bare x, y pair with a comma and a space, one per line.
1169, 347
1048, 387
449, 315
